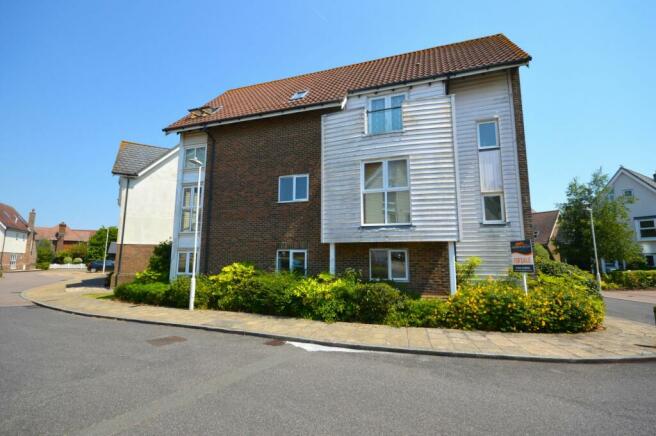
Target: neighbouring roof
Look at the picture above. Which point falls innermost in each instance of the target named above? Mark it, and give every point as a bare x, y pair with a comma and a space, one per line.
331, 86
132, 157
544, 224
645, 179
71, 235
12, 219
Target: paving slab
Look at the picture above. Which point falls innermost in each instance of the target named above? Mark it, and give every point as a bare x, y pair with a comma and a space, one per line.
620, 340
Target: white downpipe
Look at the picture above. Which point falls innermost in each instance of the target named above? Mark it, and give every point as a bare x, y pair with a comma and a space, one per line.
332, 259
453, 286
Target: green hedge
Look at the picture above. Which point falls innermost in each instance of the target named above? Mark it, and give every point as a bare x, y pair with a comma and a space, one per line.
556, 303
641, 279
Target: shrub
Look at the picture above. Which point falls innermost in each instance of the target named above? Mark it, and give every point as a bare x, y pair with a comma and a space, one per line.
44, 252
178, 293
466, 271
150, 293
158, 265
426, 312
148, 276
562, 310
43, 265
570, 273
77, 260
326, 298
67, 259
374, 301
633, 279
541, 252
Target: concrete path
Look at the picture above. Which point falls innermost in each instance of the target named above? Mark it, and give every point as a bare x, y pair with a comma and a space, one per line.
640, 295
620, 340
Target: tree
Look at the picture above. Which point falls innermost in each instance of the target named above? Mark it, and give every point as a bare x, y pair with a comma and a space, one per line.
44, 252
611, 219
96, 246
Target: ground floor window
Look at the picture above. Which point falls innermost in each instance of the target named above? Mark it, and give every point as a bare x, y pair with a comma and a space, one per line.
292, 260
387, 264
12, 261
185, 262
651, 260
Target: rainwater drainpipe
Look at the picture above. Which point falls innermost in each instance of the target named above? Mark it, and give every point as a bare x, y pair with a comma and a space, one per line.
125, 212
208, 183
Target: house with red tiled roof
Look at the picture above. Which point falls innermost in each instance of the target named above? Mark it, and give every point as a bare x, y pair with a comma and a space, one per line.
63, 237
545, 231
17, 239
397, 167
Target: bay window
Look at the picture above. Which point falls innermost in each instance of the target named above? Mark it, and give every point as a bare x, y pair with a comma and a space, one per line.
188, 217
387, 264
385, 192
385, 114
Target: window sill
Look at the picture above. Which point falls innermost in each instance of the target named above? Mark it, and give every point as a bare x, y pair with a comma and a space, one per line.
293, 201
385, 226
495, 223
390, 133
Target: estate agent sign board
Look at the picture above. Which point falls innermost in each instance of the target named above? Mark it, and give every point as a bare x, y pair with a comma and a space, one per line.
521, 253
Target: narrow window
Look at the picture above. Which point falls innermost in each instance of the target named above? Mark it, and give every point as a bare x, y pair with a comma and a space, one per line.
185, 262
293, 188
628, 193
188, 217
385, 114
385, 193
488, 135
648, 228
194, 153
493, 208
292, 260
387, 264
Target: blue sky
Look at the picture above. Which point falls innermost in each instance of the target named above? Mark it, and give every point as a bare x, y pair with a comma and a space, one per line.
78, 76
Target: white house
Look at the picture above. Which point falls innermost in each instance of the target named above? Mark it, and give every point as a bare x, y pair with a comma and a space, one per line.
146, 200
17, 239
642, 211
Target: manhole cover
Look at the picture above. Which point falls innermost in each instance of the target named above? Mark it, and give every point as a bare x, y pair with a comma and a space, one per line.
275, 342
166, 340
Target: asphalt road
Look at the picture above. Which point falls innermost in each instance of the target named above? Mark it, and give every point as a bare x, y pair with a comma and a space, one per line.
631, 310
13, 283
62, 373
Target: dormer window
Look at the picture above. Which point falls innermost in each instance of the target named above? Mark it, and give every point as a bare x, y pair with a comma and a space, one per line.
299, 95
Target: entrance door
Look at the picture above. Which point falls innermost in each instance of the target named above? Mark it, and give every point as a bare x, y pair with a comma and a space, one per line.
12, 261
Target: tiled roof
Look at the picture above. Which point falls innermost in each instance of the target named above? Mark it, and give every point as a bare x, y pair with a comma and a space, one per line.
543, 225
133, 157
331, 86
648, 180
12, 219
71, 235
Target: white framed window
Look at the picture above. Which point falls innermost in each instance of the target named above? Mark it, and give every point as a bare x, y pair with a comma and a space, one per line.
185, 261
651, 260
647, 228
12, 261
298, 95
388, 264
292, 260
493, 208
385, 192
293, 188
385, 114
628, 192
188, 208
194, 153
488, 134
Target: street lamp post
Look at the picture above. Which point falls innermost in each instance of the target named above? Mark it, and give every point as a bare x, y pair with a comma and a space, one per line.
106, 242
594, 245
192, 290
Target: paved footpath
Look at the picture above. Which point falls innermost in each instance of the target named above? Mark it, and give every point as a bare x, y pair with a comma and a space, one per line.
620, 340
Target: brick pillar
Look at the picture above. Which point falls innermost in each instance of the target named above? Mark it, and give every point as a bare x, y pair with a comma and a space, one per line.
30, 246
59, 245
522, 159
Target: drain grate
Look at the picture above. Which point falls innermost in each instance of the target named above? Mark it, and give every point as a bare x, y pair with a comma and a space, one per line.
275, 342
166, 340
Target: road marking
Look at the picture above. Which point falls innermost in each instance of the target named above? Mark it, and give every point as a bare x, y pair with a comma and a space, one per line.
314, 347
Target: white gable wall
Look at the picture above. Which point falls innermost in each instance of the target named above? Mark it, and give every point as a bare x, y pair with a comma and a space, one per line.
644, 205
13, 241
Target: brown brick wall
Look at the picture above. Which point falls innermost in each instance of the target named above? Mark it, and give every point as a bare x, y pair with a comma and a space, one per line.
135, 259
521, 153
21, 259
428, 263
246, 222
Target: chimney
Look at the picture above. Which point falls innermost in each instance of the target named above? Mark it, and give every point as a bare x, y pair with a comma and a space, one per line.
59, 246
62, 229
32, 220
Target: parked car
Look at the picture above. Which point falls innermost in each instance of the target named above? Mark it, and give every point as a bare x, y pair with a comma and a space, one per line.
97, 265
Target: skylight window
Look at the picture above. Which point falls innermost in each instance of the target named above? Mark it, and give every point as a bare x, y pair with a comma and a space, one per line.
299, 95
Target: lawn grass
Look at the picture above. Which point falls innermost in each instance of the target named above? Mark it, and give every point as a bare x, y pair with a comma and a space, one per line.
101, 295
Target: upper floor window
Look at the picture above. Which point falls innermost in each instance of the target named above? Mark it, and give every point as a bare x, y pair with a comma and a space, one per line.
493, 208
385, 114
194, 153
628, 192
293, 188
188, 217
488, 134
648, 228
385, 192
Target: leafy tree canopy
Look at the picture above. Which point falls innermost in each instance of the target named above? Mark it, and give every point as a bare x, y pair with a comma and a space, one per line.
615, 238
96, 246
